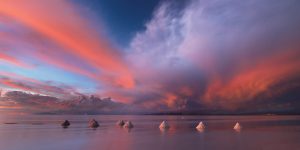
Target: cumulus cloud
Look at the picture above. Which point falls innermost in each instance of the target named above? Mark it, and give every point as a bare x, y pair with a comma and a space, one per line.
224, 52
21, 102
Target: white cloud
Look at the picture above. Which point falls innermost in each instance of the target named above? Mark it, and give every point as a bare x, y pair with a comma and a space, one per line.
210, 33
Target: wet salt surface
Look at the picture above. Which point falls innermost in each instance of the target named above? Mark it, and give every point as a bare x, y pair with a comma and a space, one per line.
43, 132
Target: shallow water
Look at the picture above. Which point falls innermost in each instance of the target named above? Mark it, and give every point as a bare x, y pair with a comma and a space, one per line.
43, 132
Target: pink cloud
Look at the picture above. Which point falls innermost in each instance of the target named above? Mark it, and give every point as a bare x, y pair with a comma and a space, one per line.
74, 34
6, 58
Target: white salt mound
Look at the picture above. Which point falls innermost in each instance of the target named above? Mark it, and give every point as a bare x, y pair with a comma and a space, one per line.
237, 126
200, 126
164, 125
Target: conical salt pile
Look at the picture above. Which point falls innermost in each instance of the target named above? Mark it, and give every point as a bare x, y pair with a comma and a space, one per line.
120, 123
164, 125
200, 126
65, 124
128, 124
237, 126
93, 124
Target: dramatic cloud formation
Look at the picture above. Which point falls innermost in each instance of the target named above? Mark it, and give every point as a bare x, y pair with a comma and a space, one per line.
201, 56
14, 81
20, 102
51, 20
223, 52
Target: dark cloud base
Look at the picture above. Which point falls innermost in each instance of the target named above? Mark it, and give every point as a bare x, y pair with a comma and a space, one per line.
38, 104
21, 102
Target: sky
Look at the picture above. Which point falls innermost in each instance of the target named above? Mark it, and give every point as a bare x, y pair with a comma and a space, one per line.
158, 56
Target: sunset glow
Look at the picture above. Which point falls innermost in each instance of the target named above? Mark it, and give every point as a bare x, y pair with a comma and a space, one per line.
198, 57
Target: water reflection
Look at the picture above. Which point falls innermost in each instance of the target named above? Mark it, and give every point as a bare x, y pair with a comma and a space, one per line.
280, 133
164, 130
200, 130
127, 129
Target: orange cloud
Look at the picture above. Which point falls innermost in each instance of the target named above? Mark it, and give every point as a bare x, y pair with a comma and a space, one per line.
11, 84
255, 81
123, 98
59, 21
170, 99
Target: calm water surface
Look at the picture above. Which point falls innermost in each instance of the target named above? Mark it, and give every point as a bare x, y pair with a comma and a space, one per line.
43, 132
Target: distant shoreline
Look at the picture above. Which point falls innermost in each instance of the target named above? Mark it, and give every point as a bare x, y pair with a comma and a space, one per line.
175, 114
